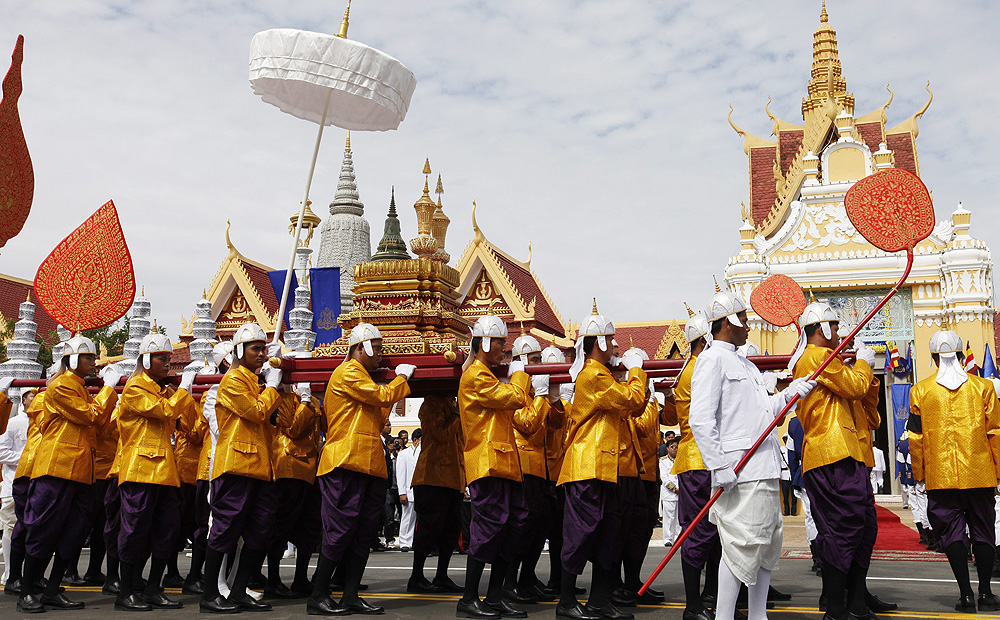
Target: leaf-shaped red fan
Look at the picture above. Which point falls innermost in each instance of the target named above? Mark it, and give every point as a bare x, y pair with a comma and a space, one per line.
17, 178
87, 281
779, 300
892, 209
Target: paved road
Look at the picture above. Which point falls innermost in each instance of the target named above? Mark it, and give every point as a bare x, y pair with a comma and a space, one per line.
922, 590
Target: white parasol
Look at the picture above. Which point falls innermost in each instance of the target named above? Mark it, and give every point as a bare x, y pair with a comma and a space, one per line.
328, 80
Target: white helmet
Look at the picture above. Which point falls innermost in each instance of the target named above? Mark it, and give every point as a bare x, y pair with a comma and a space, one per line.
946, 341
154, 343
363, 334
524, 346
597, 325
552, 355
77, 346
697, 327
248, 332
822, 313
489, 327
725, 305
222, 352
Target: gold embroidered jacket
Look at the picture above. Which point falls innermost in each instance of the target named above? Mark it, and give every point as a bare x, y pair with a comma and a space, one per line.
488, 419
441, 462
242, 409
866, 420
147, 418
688, 455
647, 428
297, 442
34, 413
531, 446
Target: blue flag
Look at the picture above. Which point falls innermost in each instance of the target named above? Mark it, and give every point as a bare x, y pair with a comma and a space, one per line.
900, 407
325, 303
278, 283
989, 370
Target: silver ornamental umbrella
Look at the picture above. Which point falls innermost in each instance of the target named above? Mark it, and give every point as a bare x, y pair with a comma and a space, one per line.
328, 80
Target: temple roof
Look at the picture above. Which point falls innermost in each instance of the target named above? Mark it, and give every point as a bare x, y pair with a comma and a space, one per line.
13, 291
241, 292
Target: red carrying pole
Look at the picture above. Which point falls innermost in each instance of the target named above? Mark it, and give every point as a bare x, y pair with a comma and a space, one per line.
774, 423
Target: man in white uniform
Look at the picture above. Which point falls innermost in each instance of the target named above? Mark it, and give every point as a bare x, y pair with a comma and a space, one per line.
669, 494
406, 463
730, 409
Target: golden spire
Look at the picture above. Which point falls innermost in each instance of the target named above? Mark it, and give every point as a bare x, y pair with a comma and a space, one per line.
154, 326
595, 307
28, 300
204, 294
142, 292
690, 311
823, 17
347, 149
439, 189
812, 298
631, 342
344, 23
717, 289
427, 166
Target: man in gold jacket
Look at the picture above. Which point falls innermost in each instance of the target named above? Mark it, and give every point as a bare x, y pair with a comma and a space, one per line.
241, 471
591, 467
833, 463
701, 550
492, 466
147, 474
352, 472
954, 429
438, 485
59, 509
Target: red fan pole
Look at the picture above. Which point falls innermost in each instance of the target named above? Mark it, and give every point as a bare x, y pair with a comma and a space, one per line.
777, 420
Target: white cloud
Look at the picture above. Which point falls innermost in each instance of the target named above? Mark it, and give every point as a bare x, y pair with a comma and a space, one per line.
597, 130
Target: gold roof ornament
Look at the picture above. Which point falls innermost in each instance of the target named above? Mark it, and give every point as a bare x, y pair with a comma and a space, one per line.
595, 312
427, 166
424, 244
823, 17
812, 297
346, 22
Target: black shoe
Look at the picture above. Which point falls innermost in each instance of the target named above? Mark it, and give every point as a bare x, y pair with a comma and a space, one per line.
651, 599
423, 586
404, 549
708, 600
280, 591
171, 581
989, 602
519, 595
160, 601
704, 614
218, 605
870, 615
549, 589
654, 592
775, 595
73, 580
623, 598
327, 607
302, 589
193, 586
12, 587
576, 612
361, 606
111, 588
248, 603
96, 579
505, 610
966, 604
536, 591
132, 602
448, 585
479, 609
30, 604
610, 612
878, 605
59, 601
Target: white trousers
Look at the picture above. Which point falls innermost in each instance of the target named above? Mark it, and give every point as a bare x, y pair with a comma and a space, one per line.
671, 523
802, 496
918, 505
407, 524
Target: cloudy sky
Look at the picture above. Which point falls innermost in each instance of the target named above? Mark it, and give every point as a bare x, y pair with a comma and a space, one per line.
595, 129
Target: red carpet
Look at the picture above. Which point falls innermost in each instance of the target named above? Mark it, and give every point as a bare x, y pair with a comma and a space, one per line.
893, 535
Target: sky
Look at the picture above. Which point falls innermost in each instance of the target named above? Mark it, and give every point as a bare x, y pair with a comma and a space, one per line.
596, 130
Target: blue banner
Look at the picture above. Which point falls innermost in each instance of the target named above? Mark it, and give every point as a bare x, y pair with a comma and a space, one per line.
278, 283
325, 283
900, 408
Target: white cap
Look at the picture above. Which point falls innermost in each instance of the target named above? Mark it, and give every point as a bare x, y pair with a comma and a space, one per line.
725, 305
697, 327
154, 343
77, 346
524, 346
596, 325
248, 332
363, 334
489, 327
822, 313
946, 341
552, 355
222, 352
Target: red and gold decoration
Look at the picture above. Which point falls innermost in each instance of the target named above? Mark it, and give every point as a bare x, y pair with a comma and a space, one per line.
892, 209
779, 300
17, 178
87, 281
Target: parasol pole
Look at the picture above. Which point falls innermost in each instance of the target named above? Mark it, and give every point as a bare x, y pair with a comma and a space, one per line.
298, 224
777, 420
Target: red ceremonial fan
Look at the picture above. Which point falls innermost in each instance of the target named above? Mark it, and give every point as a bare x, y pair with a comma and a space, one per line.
17, 179
779, 300
892, 209
87, 281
